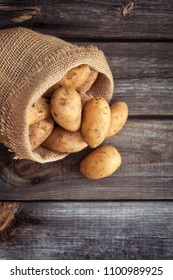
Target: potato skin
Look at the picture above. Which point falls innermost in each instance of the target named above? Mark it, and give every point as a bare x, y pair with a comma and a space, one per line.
66, 108
83, 88
100, 163
95, 121
39, 131
76, 76
63, 141
39, 111
119, 115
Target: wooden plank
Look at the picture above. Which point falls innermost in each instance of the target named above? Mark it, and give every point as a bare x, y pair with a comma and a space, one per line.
146, 171
93, 19
14, 13
119, 230
143, 76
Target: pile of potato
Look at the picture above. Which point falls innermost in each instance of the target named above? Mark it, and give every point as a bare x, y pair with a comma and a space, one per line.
69, 119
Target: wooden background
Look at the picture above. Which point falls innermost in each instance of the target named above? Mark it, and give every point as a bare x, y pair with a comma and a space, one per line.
130, 214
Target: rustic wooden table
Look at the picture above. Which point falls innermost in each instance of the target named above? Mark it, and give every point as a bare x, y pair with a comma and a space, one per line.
130, 214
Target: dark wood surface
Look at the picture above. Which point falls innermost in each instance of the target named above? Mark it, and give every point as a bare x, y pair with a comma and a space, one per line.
93, 19
92, 230
129, 214
145, 173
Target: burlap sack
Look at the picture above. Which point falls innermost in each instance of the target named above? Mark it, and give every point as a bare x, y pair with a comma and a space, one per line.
30, 64
8, 212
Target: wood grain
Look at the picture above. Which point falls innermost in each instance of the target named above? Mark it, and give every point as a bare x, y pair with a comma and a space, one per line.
92, 19
146, 171
137, 40
14, 13
143, 76
119, 230
142, 71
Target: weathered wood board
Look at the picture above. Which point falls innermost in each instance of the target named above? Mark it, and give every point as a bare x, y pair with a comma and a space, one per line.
143, 76
146, 171
128, 215
119, 230
101, 19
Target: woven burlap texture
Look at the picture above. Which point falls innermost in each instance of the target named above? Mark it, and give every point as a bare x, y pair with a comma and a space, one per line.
8, 211
30, 64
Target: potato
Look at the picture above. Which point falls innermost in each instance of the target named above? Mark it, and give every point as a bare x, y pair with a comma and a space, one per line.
76, 76
95, 121
39, 110
38, 132
119, 114
66, 108
83, 88
100, 163
63, 141
85, 97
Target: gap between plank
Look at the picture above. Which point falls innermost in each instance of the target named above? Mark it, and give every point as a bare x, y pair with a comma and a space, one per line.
93, 39
89, 201
150, 117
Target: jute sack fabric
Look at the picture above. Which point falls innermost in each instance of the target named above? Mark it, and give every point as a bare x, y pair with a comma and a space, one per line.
8, 211
30, 64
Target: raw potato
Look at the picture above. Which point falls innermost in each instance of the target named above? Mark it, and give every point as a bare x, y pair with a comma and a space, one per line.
39, 110
85, 98
38, 132
63, 141
119, 114
100, 163
95, 121
76, 76
66, 108
83, 88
